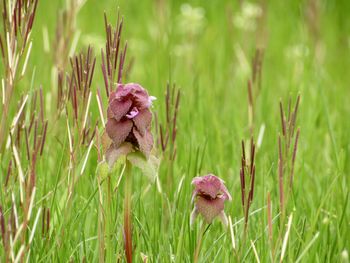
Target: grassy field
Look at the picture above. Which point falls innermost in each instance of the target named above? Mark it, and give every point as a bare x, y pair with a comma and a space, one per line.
57, 206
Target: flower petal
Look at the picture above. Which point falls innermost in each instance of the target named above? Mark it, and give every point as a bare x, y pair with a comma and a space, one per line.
145, 142
194, 195
151, 99
117, 109
209, 209
123, 91
209, 185
225, 192
223, 219
112, 96
142, 99
143, 121
193, 216
118, 131
135, 92
133, 113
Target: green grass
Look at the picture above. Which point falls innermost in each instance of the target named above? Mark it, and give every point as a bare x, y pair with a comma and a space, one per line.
208, 65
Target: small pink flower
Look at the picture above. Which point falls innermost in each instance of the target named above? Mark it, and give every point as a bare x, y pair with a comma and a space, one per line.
209, 197
129, 117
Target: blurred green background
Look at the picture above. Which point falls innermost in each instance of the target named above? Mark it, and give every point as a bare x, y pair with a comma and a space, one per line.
206, 48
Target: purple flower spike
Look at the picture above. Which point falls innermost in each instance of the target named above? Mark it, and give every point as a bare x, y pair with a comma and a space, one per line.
129, 117
209, 196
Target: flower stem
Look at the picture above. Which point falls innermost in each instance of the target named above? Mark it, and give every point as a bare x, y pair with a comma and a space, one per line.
108, 220
101, 224
199, 242
103, 214
127, 212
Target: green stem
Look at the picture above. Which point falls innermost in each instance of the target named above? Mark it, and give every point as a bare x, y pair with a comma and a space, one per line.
101, 224
105, 227
127, 212
199, 243
108, 220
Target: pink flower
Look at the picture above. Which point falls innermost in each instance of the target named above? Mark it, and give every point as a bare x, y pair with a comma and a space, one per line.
129, 117
209, 197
